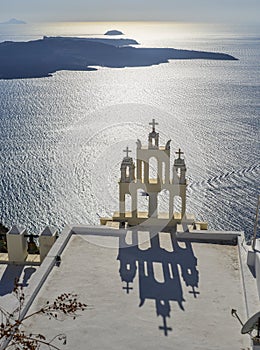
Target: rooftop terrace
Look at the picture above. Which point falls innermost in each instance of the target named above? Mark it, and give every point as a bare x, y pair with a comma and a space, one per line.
147, 292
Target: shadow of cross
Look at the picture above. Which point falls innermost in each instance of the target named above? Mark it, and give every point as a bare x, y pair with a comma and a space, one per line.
163, 309
164, 327
194, 292
127, 288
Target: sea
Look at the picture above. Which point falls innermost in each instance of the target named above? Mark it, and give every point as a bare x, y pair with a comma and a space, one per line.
62, 137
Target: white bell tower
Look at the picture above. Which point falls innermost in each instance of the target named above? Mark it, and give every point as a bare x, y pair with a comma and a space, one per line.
151, 182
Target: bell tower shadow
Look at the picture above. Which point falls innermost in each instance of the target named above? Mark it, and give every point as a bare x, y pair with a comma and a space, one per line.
161, 273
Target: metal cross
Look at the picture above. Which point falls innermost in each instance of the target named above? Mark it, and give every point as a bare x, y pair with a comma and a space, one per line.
164, 327
127, 150
153, 123
179, 153
127, 288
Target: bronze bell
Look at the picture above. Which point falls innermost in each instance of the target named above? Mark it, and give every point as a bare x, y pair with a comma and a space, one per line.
32, 247
3, 245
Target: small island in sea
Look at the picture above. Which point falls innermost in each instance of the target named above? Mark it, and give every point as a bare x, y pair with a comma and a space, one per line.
41, 58
114, 32
13, 21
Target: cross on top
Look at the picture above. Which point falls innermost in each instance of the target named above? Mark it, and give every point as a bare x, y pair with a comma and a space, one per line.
127, 150
179, 152
153, 123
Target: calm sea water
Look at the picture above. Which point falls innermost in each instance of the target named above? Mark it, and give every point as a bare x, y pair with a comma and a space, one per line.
62, 137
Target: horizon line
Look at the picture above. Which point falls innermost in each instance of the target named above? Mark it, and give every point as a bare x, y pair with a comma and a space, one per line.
208, 22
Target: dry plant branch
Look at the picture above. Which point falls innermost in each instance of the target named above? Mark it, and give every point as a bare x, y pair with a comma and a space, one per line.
11, 334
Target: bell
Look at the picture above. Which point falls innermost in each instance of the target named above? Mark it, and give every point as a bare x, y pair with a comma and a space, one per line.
32, 247
3, 246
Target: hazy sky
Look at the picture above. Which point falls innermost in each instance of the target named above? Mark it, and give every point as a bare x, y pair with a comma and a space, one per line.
230, 11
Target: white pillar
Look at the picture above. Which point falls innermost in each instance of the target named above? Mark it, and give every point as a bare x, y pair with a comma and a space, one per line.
17, 244
134, 203
121, 201
46, 240
152, 204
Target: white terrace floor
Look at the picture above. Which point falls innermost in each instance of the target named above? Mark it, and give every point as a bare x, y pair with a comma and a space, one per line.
8, 274
179, 298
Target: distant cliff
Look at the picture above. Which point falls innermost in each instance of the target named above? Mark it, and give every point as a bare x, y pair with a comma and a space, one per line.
41, 58
13, 21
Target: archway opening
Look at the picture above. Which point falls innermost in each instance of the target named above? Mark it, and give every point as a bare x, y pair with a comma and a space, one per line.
153, 170
177, 204
127, 172
128, 205
163, 204
163, 179
176, 173
142, 171
142, 202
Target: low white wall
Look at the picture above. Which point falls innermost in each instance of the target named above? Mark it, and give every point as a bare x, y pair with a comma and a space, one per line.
253, 261
257, 271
